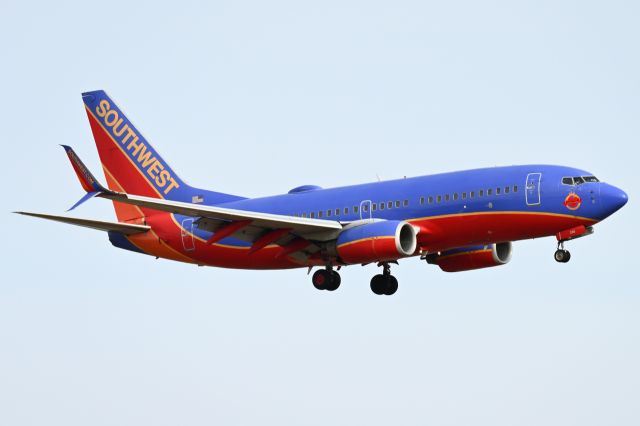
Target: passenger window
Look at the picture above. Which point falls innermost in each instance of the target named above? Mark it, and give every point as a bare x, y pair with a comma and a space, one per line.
365, 208
439, 198
329, 213
497, 191
405, 203
464, 195
397, 204
312, 215
390, 204
430, 200
455, 196
304, 215
481, 193
472, 194
421, 200
506, 189
515, 188
337, 212
489, 192
381, 206
346, 210
320, 214
447, 197
567, 181
355, 209
374, 207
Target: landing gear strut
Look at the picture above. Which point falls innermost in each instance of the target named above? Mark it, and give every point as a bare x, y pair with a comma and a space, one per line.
326, 279
561, 255
384, 283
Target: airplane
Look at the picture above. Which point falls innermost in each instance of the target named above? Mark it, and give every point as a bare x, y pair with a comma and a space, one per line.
459, 221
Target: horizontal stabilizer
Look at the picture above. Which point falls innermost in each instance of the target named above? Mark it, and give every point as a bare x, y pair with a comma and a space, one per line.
125, 228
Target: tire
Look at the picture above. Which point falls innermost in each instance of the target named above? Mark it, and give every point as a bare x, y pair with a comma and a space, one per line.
378, 285
567, 256
320, 279
560, 256
334, 281
392, 285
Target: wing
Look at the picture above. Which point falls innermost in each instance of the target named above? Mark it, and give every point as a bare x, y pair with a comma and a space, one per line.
125, 228
316, 229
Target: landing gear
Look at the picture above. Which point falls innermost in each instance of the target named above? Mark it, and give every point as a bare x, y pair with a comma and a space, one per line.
561, 255
326, 279
385, 283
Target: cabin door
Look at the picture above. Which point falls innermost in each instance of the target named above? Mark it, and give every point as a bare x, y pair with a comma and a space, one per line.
365, 210
186, 233
532, 189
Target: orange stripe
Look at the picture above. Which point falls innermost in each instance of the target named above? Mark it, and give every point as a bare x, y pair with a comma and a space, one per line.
444, 216
150, 242
449, 256
366, 239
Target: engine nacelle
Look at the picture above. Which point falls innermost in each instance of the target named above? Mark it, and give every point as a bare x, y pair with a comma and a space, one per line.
377, 241
469, 258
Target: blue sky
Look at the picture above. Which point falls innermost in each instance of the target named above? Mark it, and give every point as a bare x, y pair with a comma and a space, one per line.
254, 98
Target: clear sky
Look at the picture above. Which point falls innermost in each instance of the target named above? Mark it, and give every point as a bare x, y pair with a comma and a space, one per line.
254, 98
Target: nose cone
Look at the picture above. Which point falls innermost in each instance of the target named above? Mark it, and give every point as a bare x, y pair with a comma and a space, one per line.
613, 199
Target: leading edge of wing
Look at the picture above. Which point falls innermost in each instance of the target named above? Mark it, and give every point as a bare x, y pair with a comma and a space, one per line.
101, 225
267, 220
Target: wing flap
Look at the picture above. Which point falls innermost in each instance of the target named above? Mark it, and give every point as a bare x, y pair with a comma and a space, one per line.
319, 228
101, 225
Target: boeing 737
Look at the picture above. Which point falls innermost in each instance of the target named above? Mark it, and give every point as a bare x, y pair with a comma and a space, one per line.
459, 221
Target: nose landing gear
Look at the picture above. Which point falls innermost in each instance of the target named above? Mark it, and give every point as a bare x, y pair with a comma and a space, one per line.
326, 279
385, 283
561, 255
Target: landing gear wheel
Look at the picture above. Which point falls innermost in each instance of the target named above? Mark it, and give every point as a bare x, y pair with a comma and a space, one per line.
320, 279
392, 285
334, 281
326, 279
384, 284
562, 256
378, 285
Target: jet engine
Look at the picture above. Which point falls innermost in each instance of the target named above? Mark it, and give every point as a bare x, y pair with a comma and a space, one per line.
469, 258
377, 241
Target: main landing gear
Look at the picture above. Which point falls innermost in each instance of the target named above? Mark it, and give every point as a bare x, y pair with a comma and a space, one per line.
385, 283
326, 279
561, 255
381, 284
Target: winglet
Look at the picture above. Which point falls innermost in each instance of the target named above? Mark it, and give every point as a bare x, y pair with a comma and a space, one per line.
87, 180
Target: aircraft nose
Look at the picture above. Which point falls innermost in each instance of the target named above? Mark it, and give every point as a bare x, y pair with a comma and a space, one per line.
614, 198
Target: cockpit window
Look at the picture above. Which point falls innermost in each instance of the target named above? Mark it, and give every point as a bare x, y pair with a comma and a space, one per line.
567, 181
579, 180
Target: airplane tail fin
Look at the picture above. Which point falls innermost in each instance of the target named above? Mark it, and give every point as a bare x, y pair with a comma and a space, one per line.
131, 164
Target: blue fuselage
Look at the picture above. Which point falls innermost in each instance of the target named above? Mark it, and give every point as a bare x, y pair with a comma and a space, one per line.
512, 189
